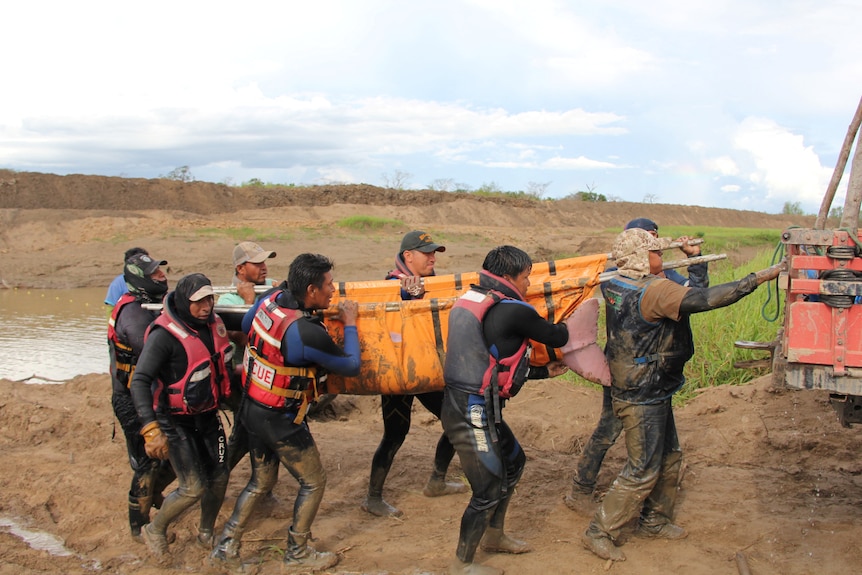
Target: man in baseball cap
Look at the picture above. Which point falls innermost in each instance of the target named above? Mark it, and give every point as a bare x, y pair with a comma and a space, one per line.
249, 260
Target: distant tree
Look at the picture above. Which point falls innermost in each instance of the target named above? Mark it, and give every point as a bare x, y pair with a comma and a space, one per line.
254, 182
398, 180
590, 197
836, 213
650, 198
442, 185
537, 189
792, 209
463, 187
181, 174
228, 181
489, 188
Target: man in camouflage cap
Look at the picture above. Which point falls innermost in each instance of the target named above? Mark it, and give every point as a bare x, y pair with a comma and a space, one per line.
649, 343
634, 251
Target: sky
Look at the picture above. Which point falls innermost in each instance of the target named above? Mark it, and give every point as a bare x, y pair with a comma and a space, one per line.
740, 104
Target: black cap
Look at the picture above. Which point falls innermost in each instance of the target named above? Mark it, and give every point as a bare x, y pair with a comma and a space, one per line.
420, 241
642, 223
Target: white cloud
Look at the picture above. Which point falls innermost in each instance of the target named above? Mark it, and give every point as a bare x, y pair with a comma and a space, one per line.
784, 166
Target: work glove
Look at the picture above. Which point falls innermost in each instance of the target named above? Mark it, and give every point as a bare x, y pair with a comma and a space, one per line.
413, 285
771, 272
155, 442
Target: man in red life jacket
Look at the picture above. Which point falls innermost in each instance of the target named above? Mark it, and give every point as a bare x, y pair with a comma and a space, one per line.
289, 351
146, 283
415, 260
180, 379
487, 362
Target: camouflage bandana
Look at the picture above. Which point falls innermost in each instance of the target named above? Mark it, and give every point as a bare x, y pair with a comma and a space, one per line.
631, 252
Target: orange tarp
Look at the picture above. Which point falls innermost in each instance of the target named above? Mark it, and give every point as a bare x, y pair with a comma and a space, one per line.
403, 342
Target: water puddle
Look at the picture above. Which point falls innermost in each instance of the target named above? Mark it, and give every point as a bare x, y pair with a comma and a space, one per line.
49, 336
38, 540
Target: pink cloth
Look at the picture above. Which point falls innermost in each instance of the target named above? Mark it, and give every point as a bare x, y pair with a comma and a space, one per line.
581, 353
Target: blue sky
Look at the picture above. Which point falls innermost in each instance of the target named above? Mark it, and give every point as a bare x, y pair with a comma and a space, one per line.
731, 103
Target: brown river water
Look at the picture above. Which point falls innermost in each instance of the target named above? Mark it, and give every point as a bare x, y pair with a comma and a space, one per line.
49, 336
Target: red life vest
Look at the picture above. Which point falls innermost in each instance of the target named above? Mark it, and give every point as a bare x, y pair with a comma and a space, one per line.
266, 378
206, 379
122, 359
468, 345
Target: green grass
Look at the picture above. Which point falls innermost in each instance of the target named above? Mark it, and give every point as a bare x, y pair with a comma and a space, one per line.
715, 332
368, 223
244, 233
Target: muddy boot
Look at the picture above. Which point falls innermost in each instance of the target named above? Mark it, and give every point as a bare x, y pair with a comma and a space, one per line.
375, 505
226, 551
205, 539
495, 541
156, 542
136, 519
438, 486
299, 557
458, 567
662, 531
602, 546
581, 502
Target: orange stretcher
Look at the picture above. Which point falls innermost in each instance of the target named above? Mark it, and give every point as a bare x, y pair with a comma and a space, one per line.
403, 342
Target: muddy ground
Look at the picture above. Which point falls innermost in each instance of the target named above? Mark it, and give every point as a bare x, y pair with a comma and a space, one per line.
769, 473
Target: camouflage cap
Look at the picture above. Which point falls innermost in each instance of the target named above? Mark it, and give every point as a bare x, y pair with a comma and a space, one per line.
631, 251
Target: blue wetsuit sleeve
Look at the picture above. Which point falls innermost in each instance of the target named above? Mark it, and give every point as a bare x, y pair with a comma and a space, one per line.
308, 343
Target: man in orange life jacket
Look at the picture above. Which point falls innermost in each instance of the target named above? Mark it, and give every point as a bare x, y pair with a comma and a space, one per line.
415, 260
146, 283
180, 379
649, 343
289, 352
487, 361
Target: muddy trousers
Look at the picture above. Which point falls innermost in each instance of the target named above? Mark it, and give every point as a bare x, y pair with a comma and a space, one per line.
274, 438
149, 476
197, 451
604, 436
397, 410
492, 467
648, 483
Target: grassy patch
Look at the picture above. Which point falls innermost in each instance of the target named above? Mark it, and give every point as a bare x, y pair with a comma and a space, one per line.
244, 233
368, 223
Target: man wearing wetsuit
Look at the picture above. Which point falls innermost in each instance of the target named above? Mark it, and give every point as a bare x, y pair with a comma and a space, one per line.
487, 361
289, 351
415, 260
145, 283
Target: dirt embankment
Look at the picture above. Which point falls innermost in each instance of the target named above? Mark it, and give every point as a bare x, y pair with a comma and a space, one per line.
71, 231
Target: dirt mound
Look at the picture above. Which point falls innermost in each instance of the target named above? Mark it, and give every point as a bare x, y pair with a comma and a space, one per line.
71, 231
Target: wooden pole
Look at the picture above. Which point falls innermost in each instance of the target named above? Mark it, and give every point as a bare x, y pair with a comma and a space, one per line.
820, 222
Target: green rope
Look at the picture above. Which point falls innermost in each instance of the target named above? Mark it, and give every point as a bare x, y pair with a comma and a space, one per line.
777, 256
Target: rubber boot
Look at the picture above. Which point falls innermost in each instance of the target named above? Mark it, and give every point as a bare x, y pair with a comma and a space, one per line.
438, 486
136, 519
299, 557
226, 551
602, 545
581, 500
205, 539
458, 567
156, 542
496, 541
374, 503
